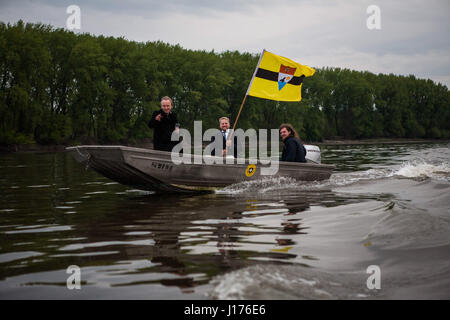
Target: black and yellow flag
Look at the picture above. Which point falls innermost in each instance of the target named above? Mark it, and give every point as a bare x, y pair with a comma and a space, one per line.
278, 78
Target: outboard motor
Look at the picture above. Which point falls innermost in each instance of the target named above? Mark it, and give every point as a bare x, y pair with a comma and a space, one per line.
312, 153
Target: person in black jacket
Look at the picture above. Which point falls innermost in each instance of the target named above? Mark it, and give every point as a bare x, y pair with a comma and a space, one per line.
229, 148
293, 150
164, 122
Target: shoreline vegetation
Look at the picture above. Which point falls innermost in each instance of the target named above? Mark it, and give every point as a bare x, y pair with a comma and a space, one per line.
146, 144
60, 88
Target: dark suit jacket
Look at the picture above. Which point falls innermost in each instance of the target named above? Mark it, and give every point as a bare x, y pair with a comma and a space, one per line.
224, 141
163, 129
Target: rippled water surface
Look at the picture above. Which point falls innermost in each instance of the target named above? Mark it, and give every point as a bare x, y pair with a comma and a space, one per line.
386, 205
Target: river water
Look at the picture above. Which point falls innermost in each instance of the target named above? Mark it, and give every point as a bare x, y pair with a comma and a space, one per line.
378, 229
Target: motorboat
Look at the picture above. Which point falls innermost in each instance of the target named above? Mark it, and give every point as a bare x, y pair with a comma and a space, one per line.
154, 170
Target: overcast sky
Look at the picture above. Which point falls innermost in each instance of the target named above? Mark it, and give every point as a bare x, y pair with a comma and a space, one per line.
413, 39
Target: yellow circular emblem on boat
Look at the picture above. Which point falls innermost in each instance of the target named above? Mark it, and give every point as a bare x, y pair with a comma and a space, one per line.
251, 169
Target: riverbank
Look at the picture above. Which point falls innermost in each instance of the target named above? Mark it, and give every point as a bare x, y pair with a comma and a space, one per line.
147, 144
378, 141
32, 148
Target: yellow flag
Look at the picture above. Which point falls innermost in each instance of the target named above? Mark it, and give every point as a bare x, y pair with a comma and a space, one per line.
278, 78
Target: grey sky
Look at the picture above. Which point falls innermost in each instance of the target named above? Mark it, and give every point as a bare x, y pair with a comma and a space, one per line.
414, 35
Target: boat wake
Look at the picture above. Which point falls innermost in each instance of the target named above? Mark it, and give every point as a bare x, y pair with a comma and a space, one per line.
399, 222
418, 170
288, 283
424, 170
269, 184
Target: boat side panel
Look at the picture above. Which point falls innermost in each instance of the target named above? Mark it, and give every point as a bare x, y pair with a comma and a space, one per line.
154, 170
218, 174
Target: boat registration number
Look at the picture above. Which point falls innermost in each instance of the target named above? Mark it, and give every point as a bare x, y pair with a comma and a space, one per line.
162, 166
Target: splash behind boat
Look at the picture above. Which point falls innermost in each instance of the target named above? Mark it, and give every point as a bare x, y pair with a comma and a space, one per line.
155, 171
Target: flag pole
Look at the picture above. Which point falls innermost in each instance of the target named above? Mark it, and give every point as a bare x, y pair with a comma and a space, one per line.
248, 89
245, 97
230, 136
239, 113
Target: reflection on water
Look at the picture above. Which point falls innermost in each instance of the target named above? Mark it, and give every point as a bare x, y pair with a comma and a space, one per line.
135, 244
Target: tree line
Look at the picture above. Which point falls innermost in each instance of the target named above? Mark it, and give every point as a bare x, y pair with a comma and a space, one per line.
58, 87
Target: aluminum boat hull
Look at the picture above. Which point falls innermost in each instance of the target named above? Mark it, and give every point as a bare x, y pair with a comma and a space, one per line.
155, 171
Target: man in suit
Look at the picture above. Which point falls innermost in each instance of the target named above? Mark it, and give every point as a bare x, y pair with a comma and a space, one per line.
229, 147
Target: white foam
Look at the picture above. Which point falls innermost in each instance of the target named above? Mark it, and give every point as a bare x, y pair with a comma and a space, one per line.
231, 286
260, 185
418, 169
278, 282
409, 169
343, 179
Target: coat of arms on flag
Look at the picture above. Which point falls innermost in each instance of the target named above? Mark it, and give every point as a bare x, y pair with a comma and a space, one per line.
278, 78
285, 75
